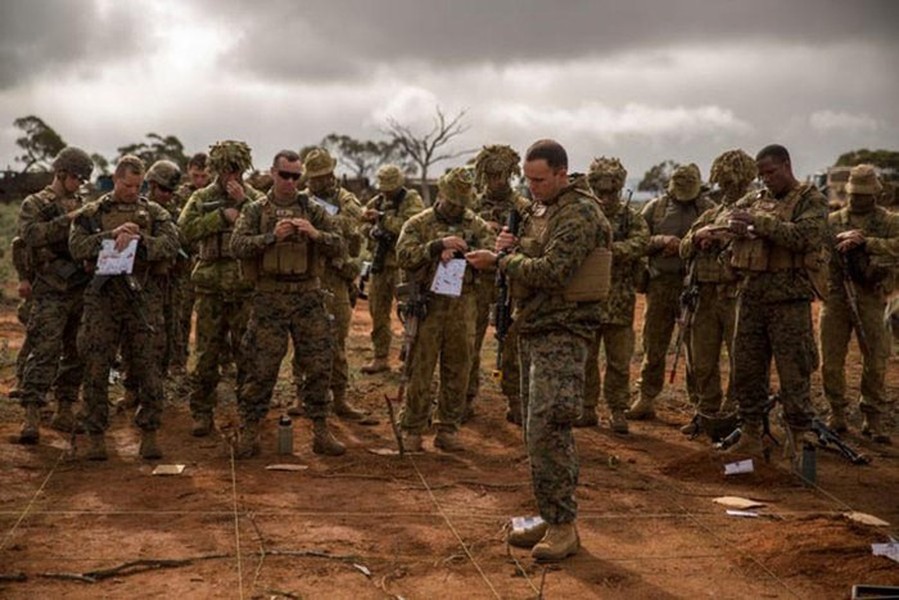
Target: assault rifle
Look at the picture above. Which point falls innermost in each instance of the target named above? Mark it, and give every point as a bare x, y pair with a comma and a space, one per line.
852, 300
624, 226
503, 307
689, 298
412, 308
364, 277
829, 438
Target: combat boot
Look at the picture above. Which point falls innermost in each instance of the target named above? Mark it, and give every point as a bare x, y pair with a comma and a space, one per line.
588, 418
618, 422
64, 419
345, 410
377, 365
642, 410
529, 536
837, 420
202, 426
411, 442
323, 441
31, 428
149, 450
96, 449
248, 445
750, 442
560, 541
873, 427
448, 441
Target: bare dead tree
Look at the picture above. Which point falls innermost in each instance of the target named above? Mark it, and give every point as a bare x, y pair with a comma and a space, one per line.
427, 149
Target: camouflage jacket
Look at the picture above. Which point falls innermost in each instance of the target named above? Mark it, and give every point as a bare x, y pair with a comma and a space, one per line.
630, 237
346, 211
666, 216
44, 228
873, 266
203, 222
395, 216
496, 210
713, 263
575, 226
419, 247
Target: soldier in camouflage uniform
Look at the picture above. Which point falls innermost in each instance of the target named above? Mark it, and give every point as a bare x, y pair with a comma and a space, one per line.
774, 320
669, 218
223, 296
867, 253
23, 264
337, 272
494, 167
715, 314
433, 236
558, 319
383, 218
57, 295
629, 241
124, 308
279, 240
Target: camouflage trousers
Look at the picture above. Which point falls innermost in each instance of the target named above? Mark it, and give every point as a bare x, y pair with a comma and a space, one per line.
275, 318
552, 383
186, 314
337, 304
23, 313
112, 315
447, 334
53, 359
836, 328
782, 331
619, 349
510, 379
176, 338
221, 323
380, 303
659, 320
713, 327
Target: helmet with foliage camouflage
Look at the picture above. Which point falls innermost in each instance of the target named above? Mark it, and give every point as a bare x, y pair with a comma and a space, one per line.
230, 156
390, 178
456, 186
863, 181
318, 162
497, 159
607, 175
733, 168
686, 182
74, 161
165, 173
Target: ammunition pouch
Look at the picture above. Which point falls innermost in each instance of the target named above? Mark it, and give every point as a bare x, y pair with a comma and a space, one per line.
593, 279
215, 247
286, 258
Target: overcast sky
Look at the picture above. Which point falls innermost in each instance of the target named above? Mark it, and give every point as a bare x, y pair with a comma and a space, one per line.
645, 81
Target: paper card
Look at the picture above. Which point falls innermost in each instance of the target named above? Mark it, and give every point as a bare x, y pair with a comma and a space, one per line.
738, 502
112, 262
286, 467
448, 278
865, 518
168, 469
383, 451
520, 524
742, 513
741, 466
890, 550
329, 208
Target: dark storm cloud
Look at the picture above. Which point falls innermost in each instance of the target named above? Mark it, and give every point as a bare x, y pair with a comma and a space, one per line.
43, 36
285, 39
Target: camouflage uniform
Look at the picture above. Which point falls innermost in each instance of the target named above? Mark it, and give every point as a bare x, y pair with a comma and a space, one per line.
447, 331
222, 295
630, 236
123, 308
553, 338
668, 215
871, 269
397, 204
23, 264
188, 295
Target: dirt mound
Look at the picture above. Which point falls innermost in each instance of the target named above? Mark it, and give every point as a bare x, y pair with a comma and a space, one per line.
708, 467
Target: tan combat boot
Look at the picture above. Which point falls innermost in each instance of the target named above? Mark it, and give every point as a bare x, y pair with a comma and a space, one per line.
642, 410
411, 442
618, 422
837, 420
248, 446
202, 426
560, 541
64, 419
149, 450
31, 429
588, 418
750, 442
345, 410
529, 536
96, 449
377, 365
323, 441
448, 441
874, 428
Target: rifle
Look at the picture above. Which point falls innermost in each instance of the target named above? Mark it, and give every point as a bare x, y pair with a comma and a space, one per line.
624, 226
689, 299
412, 308
384, 239
852, 300
828, 437
503, 307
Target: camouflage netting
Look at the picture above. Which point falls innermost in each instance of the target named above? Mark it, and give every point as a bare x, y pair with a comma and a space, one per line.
230, 156
74, 161
686, 181
496, 159
607, 174
733, 166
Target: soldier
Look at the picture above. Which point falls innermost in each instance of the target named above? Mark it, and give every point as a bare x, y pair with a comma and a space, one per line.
864, 260
222, 294
384, 216
23, 264
669, 217
124, 308
435, 236
280, 239
338, 272
494, 167
57, 295
788, 223
558, 317
629, 241
715, 313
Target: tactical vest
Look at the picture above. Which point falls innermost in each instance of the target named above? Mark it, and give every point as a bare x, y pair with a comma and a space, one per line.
710, 266
676, 223
112, 214
293, 258
218, 245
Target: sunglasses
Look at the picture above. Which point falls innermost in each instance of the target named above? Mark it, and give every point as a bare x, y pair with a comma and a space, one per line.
289, 175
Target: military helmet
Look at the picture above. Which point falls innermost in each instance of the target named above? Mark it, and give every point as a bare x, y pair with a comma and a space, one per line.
318, 162
456, 186
230, 156
165, 173
863, 180
390, 178
74, 161
607, 173
734, 166
496, 159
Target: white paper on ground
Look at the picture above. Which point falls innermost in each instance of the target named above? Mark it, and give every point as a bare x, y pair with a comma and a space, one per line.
286, 467
890, 550
741, 466
867, 519
738, 502
168, 469
742, 513
519, 524
448, 278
